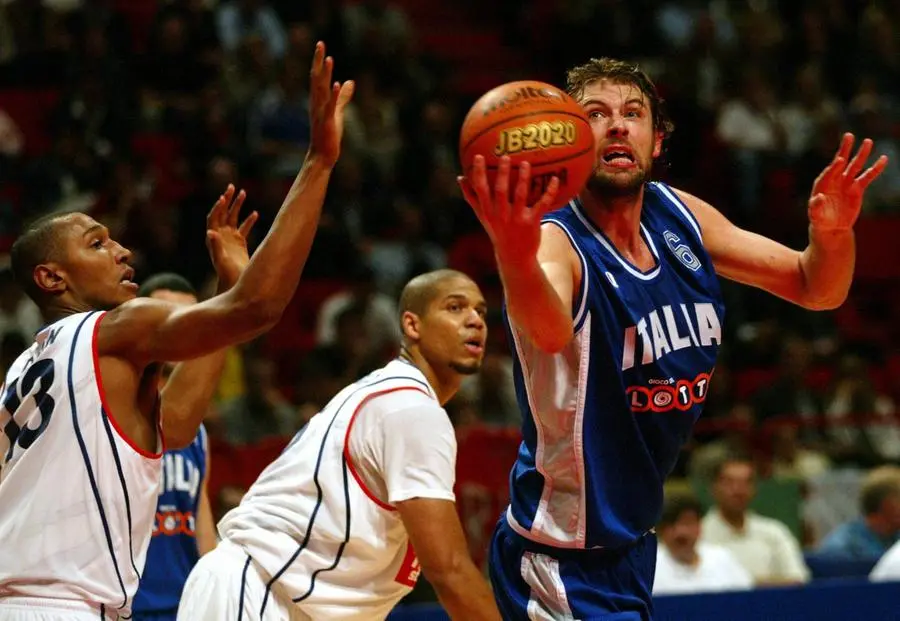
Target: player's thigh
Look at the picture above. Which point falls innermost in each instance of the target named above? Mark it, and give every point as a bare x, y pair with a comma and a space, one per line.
224, 585
511, 591
16, 612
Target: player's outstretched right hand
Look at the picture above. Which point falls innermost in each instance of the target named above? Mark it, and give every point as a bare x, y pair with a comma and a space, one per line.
326, 110
514, 228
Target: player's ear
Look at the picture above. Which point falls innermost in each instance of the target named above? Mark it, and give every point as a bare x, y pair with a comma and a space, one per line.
657, 144
49, 278
409, 324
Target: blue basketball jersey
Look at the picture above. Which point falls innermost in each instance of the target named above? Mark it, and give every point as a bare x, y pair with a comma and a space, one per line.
605, 418
173, 548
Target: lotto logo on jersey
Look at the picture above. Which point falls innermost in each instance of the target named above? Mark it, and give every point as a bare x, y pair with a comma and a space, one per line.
409, 568
668, 394
172, 522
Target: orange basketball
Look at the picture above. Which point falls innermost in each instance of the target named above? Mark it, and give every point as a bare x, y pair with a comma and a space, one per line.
534, 122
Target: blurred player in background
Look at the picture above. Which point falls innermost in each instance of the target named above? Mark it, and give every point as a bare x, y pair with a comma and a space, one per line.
338, 526
184, 529
615, 314
82, 416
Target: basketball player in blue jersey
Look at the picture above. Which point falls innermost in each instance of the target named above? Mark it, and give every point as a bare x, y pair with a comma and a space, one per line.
82, 421
615, 316
184, 529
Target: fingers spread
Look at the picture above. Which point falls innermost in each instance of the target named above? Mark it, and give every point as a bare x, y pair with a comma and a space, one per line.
247, 224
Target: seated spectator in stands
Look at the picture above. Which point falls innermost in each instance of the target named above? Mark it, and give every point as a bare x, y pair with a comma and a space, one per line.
737, 430
887, 569
683, 564
862, 423
789, 458
870, 536
239, 19
788, 397
382, 330
763, 546
350, 356
262, 411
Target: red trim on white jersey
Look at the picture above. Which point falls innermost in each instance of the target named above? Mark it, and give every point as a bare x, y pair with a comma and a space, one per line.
359, 481
109, 412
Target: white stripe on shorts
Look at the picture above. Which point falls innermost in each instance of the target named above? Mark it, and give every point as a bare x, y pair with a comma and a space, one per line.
547, 601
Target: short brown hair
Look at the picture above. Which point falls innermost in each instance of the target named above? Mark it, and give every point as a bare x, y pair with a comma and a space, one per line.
620, 72
677, 504
878, 485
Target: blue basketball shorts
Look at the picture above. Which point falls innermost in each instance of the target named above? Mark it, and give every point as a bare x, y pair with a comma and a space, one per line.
533, 581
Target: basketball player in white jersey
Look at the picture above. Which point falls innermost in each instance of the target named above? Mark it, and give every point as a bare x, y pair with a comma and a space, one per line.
338, 526
81, 432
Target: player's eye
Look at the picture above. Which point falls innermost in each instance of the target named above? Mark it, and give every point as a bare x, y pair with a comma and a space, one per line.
595, 114
97, 244
454, 308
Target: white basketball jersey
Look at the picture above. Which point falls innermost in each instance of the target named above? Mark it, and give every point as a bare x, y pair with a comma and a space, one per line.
77, 500
311, 527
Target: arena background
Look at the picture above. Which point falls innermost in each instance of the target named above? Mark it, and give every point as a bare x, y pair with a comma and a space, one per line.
140, 111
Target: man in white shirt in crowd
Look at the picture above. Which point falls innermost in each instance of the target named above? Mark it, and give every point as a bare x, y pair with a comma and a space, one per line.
763, 546
685, 566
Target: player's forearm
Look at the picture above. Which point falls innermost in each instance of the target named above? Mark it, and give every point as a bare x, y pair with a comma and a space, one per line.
827, 267
185, 399
465, 595
270, 279
534, 306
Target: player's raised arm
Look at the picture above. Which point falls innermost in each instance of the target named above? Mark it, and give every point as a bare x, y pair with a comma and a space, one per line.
819, 277
144, 331
536, 264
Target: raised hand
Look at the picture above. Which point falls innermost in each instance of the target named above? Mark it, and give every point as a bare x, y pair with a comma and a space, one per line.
514, 227
326, 110
226, 240
837, 193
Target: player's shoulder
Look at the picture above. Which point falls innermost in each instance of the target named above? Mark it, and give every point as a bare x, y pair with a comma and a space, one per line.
769, 526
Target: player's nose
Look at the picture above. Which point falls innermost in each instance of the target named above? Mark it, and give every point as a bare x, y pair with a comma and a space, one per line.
123, 254
617, 126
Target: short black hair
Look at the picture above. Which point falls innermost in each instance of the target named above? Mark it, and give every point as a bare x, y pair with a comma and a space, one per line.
38, 243
677, 504
420, 291
166, 281
878, 485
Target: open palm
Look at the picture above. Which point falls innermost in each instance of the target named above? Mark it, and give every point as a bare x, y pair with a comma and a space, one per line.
226, 239
837, 193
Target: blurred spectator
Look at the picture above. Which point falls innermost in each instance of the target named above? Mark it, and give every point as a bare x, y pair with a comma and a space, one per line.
262, 411
17, 312
763, 546
686, 565
278, 120
862, 423
238, 19
11, 139
791, 460
736, 432
375, 27
749, 125
372, 125
787, 396
66, 178
382, 330
350, 355
870, 536
887, 569
874, 119
810, 108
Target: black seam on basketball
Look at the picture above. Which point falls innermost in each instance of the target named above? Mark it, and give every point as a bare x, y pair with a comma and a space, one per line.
547, 163
519, 116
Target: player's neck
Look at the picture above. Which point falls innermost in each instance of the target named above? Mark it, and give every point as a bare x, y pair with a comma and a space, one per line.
445, 385
54, 312
618, 217
735, 519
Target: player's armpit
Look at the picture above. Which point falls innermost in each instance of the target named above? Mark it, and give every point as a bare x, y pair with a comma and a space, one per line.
749, 258
437, 538
147, 330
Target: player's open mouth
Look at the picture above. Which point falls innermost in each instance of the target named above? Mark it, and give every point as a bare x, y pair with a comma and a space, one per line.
475, 346
127, 279
618, 156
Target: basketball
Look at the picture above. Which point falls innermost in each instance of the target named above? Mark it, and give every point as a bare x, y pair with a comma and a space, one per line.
534, 122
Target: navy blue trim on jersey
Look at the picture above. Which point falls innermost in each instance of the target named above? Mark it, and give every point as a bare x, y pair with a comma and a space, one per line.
115, 453
243, 588
340, 552
87, 462
319, 492
579, 308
